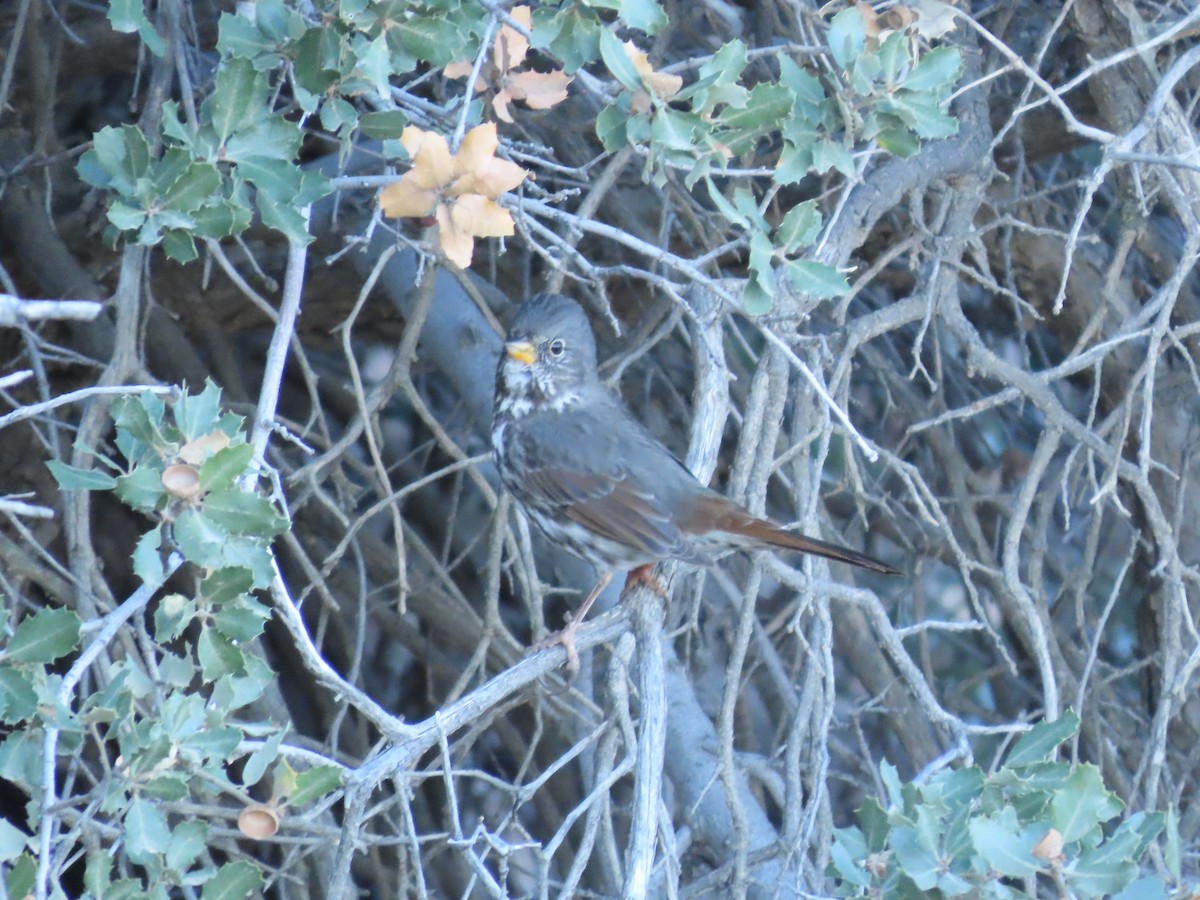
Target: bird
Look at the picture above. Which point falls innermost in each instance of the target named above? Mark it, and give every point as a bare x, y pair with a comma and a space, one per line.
594, 480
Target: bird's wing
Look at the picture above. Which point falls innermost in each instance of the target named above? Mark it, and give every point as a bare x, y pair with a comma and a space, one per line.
612, 506
585, 465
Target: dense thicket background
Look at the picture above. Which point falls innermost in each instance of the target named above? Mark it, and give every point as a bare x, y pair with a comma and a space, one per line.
1001, 400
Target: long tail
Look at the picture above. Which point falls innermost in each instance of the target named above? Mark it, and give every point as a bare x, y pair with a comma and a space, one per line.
769, 533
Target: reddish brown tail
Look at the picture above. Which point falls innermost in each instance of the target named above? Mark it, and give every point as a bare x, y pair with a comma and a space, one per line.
769, 533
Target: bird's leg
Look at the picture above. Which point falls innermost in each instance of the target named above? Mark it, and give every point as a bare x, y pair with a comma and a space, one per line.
566, 635
644, 575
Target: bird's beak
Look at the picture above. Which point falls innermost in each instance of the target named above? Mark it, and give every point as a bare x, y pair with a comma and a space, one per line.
521, 351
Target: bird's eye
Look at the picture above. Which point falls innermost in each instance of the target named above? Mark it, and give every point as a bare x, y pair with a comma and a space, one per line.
557, 348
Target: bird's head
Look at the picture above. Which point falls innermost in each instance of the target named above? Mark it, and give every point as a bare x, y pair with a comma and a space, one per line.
549, 358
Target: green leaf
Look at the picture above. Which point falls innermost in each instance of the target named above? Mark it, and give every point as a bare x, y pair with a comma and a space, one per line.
732, 214
899, 141
1002, 844
1150, 887
284, 218
146, 831
315, 783
73, 478
937, 71
829, 154
127, 889
377, 60
847, 36
233, 881
767, 105
317, 58
611, 126
1172, 851
269, 142
97, 874
220, 470
225, 586
239, 37
1040, 742
195, 185
197, 414
128, 16
212, 743
923, 113
432, 39
18, 698
891, 782
180, 246
762, 255
570, 34
241, 623
612, 51
755, 300
848, 848
811, 99
278, 20
44, 637
232, 692
795, 160
125, 217
1104, 870
188, 841
200, 540
20, 879
147, 560
893, 56
873, 820
239, 98
799, 227
382, 125
260, 759
124, 155
644, 15
217, 656
176, 670
1082, 804
220, 219
173, 614
168, 788
253, 555
815, 279
142, 488
916, 861
675, 130
141, 416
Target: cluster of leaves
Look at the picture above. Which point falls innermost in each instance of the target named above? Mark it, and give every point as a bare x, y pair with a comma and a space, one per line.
888, 94
174, 735
967, 832
208, 170
457, 190
507, 72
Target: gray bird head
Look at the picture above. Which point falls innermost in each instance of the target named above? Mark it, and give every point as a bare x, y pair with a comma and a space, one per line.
549, 359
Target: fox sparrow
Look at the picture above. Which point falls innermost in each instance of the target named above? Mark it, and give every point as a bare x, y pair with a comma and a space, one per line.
593, 479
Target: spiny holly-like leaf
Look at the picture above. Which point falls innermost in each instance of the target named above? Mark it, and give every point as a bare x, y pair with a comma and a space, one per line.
73, 478
1039, 743
44, 637
937, 71
815, 279
847, 36
233, 881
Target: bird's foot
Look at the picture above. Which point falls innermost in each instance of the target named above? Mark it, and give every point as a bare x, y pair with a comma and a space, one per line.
564, 637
